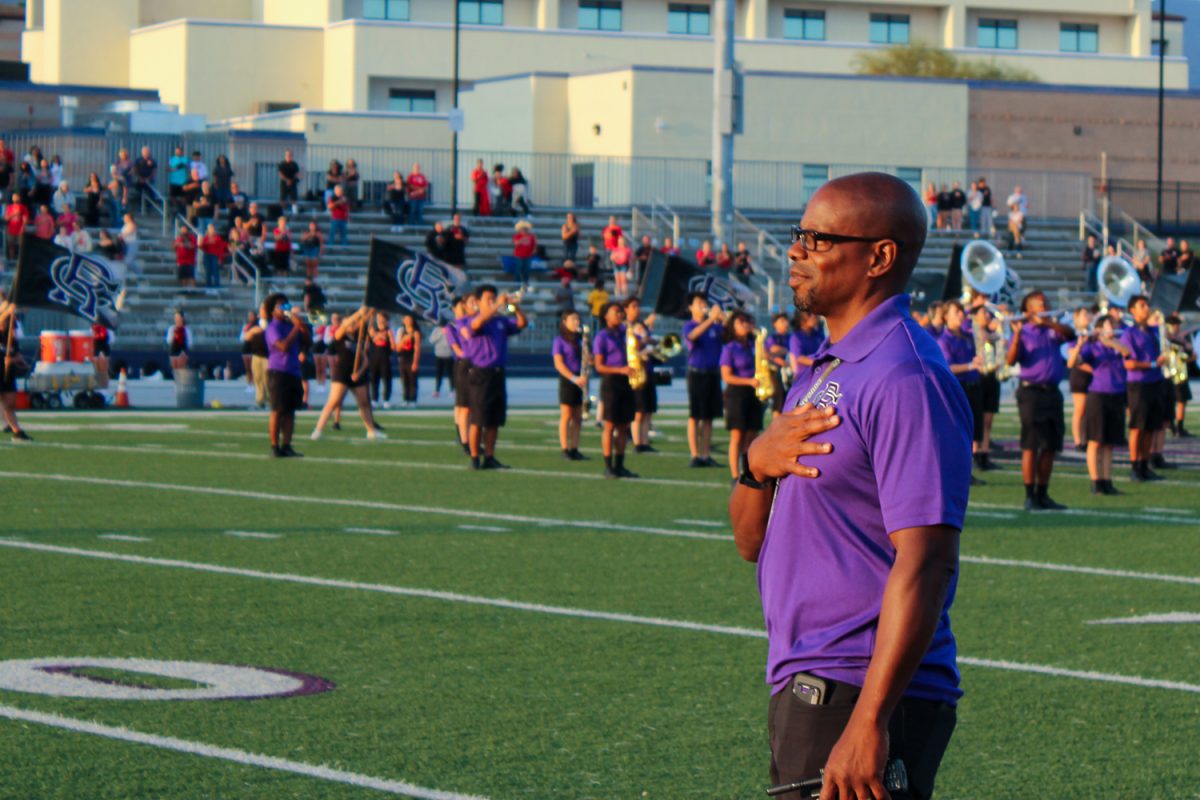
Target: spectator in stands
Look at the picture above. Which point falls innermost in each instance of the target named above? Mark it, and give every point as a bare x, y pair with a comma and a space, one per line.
642, 256
570, 238
339, 215
69, 218
110, 246
56, 170
16, 217
931, 203
82, 240
1168, 258
335, 176
974, 203
254, 229
185, 258
501, 191
204, 207
93, 193
483, 202
418, 194
215, 250
125, 175
1021, 200
435, 241
63, 199
593, 264
289, 180
394, 203
43, 223
612, 233
524, 246
597, 299
281, 253
457, 236
64, 238
26, 182
314, 296
34, 157
742, 264
705, 257
1090, 258
239, 242
1142, 263
312, 247
222, 181
352, 180
7, 168
145, 171
115, 196
197, 166
45, 183
179, 342
944, 202
669, 248
177, 176
520, 192
1016, 227
129, 240
564, 296
724, 257
622, 261
1185, 258
958, 201
239, 203
986, 224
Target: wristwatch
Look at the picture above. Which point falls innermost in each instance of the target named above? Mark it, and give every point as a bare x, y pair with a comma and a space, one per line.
745, 476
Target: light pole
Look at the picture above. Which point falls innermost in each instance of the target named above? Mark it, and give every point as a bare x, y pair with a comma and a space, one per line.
1162, 58
724, 119
454, 123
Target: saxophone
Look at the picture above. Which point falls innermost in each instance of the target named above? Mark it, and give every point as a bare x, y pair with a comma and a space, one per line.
633, 358
765, 389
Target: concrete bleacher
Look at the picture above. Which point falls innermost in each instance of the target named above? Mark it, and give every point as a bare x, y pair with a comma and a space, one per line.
1050, 262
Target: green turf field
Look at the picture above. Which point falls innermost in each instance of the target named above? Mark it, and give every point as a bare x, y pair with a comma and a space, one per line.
537, 633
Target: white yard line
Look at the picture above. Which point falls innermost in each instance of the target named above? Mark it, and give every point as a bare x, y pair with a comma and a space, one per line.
120, 537
489, 528
400, 788
560, 611
253, 535
1081, 570
704, 522
592, 525
372, 531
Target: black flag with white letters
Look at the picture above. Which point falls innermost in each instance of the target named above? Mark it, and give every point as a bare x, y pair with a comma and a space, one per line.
84, 284
402, 281
668, 280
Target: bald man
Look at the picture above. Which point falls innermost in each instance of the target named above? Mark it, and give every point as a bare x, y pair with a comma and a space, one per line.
852, 502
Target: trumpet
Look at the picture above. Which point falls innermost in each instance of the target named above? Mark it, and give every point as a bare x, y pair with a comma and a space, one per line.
666, 349
514, 300
764, 389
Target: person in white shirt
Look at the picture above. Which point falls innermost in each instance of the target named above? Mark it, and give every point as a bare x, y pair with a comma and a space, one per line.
63, 199
1020, 199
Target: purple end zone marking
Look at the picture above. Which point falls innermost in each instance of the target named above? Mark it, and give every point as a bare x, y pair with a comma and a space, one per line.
309, 684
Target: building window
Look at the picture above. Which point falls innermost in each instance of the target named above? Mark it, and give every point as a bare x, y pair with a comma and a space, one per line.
394, 10
687, 18
815, 176
481, 12
600, 15
801, 24
889, 28
411, 101
1156, 46
1076, 38
998, 34
911, 176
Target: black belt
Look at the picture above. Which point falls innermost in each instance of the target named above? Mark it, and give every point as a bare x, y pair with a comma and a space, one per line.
499, 370
698, 371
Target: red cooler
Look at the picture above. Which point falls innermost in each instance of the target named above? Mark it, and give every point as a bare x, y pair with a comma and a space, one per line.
83, 346
56, 346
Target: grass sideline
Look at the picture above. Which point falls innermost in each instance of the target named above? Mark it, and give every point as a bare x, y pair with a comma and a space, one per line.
452, 674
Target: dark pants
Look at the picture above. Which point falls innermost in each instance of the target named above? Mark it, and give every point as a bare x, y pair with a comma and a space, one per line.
803, 735
408, 377
380, 368
443, 368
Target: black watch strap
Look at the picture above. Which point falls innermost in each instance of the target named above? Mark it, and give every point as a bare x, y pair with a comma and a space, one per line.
746, 477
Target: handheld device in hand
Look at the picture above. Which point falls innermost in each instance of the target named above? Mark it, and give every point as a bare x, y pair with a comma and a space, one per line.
895, 779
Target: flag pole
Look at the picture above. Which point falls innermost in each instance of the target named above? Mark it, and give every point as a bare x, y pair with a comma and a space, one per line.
12, 315
358, 348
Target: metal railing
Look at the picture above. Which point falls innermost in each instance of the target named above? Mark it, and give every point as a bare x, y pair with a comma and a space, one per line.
157, 202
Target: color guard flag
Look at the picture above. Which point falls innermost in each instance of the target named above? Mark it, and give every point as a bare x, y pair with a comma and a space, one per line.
84, 284
668, 280
404, 282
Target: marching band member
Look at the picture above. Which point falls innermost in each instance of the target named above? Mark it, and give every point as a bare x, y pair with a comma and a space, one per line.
1183, 391
805, 340
379, 361
1166, 398
1035, 345
1080, 376
743, 411
286, 335
989, 383
463, 307
10, 363
568, 356
645, 399
935, 319
703, 335
485, 344
347, 376
1143, 387
780, 358
1104, 412
958, 347
612, 364
179, 342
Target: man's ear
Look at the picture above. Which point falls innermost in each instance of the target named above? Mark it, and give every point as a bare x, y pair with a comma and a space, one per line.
883, 258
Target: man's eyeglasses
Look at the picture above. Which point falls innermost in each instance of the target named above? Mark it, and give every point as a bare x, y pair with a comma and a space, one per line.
818, 242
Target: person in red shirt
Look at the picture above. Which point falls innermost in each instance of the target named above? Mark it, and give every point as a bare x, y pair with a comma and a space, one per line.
483, 201
185, 257
16, 217
418, 193
725, 257
281, 255
612, 233
669, 247
215, 250
524, 246
43, 224
705, 257
622, 258
339, 215
102, 339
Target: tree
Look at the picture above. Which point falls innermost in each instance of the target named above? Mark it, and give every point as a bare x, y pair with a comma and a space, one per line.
923, 60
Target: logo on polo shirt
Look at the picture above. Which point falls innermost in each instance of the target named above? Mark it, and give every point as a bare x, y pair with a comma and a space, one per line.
829, 396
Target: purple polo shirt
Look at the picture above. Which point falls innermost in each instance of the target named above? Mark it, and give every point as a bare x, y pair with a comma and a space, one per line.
901, 459
570, 352
705, 352
609, 344
739, 357
959, 349
488, 346
802, 343
777, 340
1108, 368
1143, 344
1040, 356
282, 361
453, 337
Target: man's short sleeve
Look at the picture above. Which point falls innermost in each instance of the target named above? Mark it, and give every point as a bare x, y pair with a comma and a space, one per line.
919, 436
511, 328
273, 335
